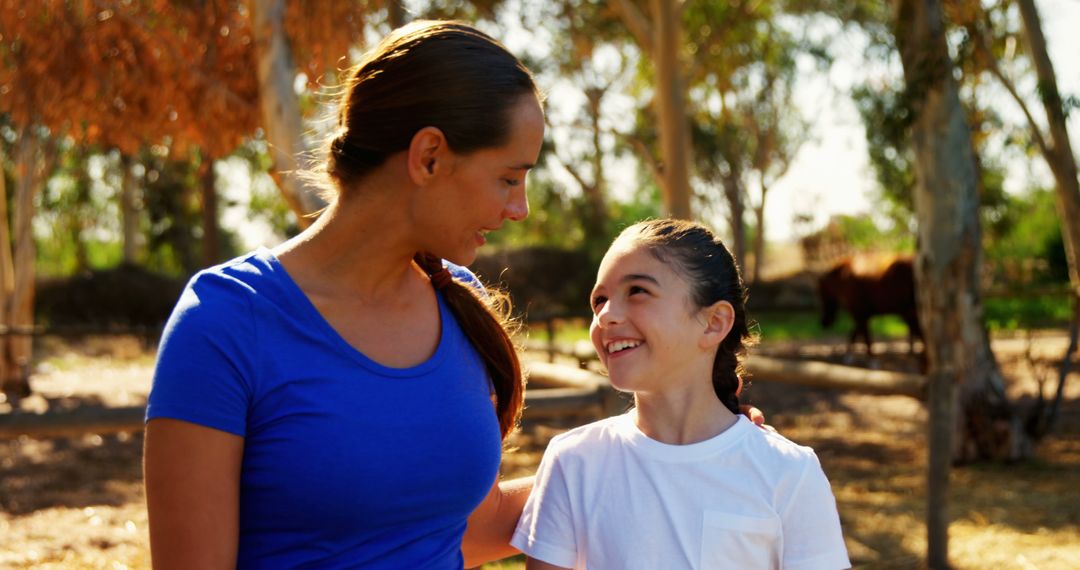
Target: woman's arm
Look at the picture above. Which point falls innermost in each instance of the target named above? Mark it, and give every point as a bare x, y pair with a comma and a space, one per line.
492, 524
192, 477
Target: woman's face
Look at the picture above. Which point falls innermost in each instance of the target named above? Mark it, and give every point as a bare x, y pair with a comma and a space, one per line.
486, 187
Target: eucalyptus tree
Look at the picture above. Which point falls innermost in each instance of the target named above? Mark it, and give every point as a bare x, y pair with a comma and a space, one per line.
966, 387
590, 52
1001, 48
747, 126
657, 29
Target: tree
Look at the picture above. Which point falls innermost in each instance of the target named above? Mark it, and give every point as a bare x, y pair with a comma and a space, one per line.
969, 415
127, 75
1055, 147
660, 37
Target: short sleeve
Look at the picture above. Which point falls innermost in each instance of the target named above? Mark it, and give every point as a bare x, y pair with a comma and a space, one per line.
204, 370
466, 276
813, 538
546, 528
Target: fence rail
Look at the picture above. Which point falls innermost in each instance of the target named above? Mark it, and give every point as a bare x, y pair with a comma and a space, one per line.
560, 391
79, 330
787, 371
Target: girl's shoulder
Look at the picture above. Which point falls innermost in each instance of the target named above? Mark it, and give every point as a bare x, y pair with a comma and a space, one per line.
583, 439
776, 448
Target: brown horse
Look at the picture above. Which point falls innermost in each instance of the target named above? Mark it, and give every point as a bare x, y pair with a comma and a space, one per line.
865, 287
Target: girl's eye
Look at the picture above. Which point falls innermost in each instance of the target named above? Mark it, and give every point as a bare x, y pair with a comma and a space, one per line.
511, 181
634, 289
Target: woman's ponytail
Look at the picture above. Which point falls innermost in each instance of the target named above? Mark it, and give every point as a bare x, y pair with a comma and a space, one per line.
484, 316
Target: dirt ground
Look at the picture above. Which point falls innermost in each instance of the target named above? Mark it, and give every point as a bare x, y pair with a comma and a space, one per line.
78, 503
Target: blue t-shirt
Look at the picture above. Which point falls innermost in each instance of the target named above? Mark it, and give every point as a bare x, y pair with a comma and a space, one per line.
347, 463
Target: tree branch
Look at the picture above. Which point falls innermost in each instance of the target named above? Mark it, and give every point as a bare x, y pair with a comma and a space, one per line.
636, 22
655, 168
992, 65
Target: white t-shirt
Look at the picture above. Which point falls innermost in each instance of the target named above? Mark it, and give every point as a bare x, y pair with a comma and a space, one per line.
609, 497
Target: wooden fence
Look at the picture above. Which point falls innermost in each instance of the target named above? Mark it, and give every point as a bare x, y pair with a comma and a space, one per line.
556, 391
786, 371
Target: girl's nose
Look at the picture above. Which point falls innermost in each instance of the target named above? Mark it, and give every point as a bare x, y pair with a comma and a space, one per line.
608, 314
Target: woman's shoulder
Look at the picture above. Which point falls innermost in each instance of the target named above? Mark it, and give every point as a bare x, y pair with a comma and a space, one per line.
465, 275
227, 287
243, 272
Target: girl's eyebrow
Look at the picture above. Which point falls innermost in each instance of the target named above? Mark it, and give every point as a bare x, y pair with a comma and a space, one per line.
631, 277
639, 277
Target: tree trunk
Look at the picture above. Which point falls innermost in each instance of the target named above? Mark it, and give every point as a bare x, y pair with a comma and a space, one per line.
8, 371
596, 215
280, 105
963, 373
396, 14
671, 109
759, 236
210, 242
736, 211
129, 211
21, 306
1060, 156
78, 223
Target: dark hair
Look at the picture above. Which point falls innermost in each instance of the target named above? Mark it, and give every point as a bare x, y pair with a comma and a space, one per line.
705, 262
484, 316
453, 77
440, 74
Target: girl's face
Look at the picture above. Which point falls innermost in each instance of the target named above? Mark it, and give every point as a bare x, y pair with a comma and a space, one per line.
645, 327
484, 188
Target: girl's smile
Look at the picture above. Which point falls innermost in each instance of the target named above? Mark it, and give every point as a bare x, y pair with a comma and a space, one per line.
644, 326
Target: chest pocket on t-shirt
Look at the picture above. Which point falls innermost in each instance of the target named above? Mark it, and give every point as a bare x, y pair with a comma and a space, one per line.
739, 541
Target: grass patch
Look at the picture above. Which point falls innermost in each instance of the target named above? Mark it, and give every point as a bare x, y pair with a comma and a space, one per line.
1018, 313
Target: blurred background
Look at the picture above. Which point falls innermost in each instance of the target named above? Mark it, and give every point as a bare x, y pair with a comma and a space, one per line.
143, 140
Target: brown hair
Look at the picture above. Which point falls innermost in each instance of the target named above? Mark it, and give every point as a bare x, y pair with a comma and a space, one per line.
453, 77
440, 74
705, 263
484, 316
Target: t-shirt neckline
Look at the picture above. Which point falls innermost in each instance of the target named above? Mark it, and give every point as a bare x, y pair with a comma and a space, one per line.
627, 429
303, 303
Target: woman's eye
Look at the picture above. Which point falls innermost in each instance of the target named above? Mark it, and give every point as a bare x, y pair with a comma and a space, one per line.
512, 181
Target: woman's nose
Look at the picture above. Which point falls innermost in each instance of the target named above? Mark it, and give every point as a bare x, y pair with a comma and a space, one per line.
517, 207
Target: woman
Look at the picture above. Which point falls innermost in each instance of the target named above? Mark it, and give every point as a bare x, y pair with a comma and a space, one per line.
328, 403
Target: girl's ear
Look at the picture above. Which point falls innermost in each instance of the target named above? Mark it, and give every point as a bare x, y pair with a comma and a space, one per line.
426, 155
719, 318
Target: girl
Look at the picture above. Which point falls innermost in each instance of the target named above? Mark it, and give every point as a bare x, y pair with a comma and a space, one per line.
683, 480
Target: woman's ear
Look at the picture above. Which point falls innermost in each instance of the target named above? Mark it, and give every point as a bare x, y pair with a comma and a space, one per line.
719, 318
426, 154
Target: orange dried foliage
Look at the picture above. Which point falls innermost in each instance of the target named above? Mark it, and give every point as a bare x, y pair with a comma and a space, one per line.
125, 74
